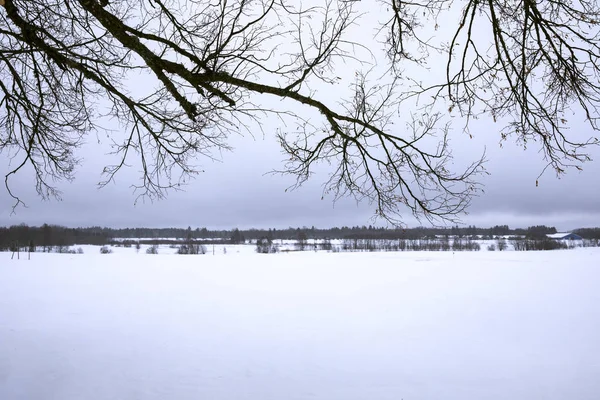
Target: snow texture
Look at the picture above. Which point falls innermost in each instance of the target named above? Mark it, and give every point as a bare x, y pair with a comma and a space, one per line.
369, 326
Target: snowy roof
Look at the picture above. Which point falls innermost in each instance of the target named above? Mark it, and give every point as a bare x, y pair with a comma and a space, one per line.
558, 235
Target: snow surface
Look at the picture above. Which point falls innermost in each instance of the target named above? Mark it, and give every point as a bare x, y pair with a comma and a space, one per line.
412, 326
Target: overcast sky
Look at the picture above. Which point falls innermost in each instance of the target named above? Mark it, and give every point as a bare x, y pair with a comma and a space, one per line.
238, 192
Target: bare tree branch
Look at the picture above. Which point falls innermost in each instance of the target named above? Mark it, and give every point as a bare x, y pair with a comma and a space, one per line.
66, 64
536, 66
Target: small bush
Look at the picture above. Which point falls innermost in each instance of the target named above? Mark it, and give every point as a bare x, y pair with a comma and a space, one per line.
502, 244
491, 247
105, 250
79, 250
591, 243
191, 249
264, 245
61, 249
465, 245
152, 249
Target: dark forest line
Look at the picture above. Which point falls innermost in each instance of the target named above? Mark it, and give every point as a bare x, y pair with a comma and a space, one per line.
54, 235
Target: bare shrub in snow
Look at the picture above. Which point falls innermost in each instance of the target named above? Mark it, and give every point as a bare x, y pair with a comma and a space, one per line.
264, 245
105, 250
191, 248
152, 249
502, 245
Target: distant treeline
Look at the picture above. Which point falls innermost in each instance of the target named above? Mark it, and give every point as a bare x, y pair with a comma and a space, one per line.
47, 236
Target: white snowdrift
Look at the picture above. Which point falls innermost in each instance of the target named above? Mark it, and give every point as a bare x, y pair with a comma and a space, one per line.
369, 326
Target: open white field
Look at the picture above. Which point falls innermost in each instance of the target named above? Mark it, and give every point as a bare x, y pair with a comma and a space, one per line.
369, 326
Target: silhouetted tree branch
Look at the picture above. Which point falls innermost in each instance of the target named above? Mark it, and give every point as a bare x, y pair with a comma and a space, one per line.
528, 65
66, 64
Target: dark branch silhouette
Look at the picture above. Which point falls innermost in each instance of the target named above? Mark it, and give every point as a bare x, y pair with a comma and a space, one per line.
65, 65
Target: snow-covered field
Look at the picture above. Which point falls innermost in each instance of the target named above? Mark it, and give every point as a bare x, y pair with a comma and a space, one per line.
369, 326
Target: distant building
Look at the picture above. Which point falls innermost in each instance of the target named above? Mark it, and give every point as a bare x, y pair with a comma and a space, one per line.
564, 236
